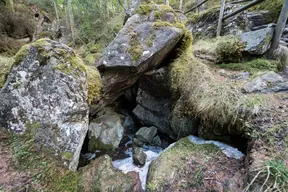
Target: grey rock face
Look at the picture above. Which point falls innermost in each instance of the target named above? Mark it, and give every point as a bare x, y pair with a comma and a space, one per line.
140, 46
155, 106
105, 132
153, 100
268, 82
257, 42
146, 134
39, 97
139, 157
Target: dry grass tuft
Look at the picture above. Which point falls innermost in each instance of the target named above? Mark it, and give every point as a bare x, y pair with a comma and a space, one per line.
216, 102
224, 49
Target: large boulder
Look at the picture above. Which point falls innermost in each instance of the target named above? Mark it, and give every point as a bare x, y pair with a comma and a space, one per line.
187, 165
257, 42
100, 175
139, 157
141, 45
105, 132
45, 95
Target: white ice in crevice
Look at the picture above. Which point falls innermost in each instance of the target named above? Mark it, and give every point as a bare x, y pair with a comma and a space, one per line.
226, 149
126, 165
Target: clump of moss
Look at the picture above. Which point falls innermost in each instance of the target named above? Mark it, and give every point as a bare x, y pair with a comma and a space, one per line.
136, 49
224, 49
274, 7
145, 9
210, 14
5, 66
214, 102
94, 84
253, 66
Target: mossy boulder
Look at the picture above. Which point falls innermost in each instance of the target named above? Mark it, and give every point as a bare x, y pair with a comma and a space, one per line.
186, 166
140, 46
46, 95
100, 175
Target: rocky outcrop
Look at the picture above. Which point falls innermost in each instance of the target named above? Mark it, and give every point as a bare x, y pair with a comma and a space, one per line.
194, 160
45, 96
257, 42
154, 100
268, 82
105, 132
156, 107
141, 45
100, 175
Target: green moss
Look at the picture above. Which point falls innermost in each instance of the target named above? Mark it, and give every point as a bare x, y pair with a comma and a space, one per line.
21, 54
43, 169
229, 49
253, 66
209, 14
67, 155
5, 66
173, 159
145, 9
94, 84
95, 144
274, 7
136, 49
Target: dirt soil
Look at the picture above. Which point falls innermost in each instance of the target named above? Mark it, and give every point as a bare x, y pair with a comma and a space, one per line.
9, 178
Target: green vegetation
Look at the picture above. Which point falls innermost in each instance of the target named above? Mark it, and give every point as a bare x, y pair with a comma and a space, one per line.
254, 66
214, 102
274, 7
5, 65
173, 159
136, 49
274, 175
94, 84
43, 170
224, 49
208, 14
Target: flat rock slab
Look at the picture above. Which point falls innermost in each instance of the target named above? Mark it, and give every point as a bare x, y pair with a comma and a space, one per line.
257, 42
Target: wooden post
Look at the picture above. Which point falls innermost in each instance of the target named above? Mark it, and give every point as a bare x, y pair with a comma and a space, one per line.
196, 6
279, 29
243, 8
220, 18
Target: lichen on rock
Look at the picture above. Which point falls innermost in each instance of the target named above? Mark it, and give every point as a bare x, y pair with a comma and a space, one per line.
37, 90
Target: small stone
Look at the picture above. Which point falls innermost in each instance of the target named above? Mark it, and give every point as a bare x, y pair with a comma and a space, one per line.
139, 157
138, 142
146, 134
156, 141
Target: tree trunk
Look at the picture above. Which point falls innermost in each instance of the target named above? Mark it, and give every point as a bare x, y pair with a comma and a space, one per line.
279, 29
181, 5
220, 18
167, 2
38, 28
12, 6
71, 20
57, 15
